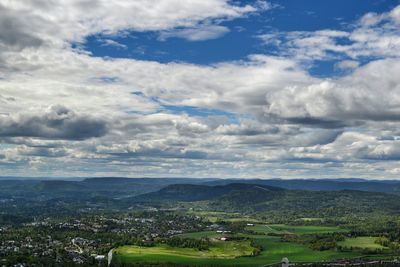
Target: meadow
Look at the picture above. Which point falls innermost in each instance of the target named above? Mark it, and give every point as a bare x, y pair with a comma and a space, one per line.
294, 229
219, 250
362, 242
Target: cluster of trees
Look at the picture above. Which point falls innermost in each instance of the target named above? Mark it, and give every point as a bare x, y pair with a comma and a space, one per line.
257, 248
316, 241
388, 241
200, 244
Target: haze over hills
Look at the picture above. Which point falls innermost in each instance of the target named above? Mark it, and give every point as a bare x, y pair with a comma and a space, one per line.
389, 186
294, 196
114, 187
127, 187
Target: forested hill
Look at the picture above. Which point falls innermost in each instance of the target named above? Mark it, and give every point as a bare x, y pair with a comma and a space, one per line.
388, 186
190, 192
249, 198
134, 186
310, 203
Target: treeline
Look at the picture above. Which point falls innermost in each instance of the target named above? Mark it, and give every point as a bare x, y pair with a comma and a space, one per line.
316, 241
180, 242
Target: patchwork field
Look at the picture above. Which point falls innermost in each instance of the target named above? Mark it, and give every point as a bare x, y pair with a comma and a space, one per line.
290, 229
231, 254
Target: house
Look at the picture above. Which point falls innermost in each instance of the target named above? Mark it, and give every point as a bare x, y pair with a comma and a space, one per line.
100, 257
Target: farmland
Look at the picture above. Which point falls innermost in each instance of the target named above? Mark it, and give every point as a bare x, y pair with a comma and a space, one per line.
273, 249
294, 229
362, 242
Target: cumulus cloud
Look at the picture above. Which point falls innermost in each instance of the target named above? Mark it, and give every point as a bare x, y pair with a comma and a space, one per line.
14, 33
76, 19
260, 113
347, 65
343, 102
247, 129
374, 35
57, 122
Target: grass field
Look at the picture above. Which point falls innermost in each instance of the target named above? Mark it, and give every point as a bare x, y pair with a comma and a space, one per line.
273, 250
220, 249
364, 242
290, 229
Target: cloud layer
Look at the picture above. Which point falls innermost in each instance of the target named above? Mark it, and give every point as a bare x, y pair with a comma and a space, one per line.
64, 112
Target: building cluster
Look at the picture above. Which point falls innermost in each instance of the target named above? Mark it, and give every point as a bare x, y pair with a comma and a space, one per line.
88, 239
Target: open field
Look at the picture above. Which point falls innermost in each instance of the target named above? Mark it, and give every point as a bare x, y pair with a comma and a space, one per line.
220, 249
290, 229
273, 250
363, 242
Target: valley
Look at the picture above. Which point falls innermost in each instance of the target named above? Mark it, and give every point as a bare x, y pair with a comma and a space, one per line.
177, 223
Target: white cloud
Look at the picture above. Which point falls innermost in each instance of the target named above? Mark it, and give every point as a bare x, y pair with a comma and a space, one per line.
347, 64
200, 33
109, 42
265, 112
74, 20
374, 35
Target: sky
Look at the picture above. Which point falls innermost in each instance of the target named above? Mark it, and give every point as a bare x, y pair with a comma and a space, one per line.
200, 88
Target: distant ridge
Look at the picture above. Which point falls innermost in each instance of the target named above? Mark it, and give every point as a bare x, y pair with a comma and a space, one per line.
191, 192
387, 186
251, 198
122, 187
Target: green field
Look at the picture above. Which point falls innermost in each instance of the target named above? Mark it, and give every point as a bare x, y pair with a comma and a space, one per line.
219, 250
364, 242
215, 216
290, 229
273, 250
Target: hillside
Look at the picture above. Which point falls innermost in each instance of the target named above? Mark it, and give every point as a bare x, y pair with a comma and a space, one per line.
309, 203
387, 186
292, 196
110, 187
190, 192
253, 198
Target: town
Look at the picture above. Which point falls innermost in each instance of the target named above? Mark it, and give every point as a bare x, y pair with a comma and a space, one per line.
88, 239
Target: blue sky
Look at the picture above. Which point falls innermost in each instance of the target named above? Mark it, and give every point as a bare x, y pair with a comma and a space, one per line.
241, 40
200, 88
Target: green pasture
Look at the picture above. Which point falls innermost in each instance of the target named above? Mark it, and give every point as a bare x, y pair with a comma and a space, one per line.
363, 242
294, 229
